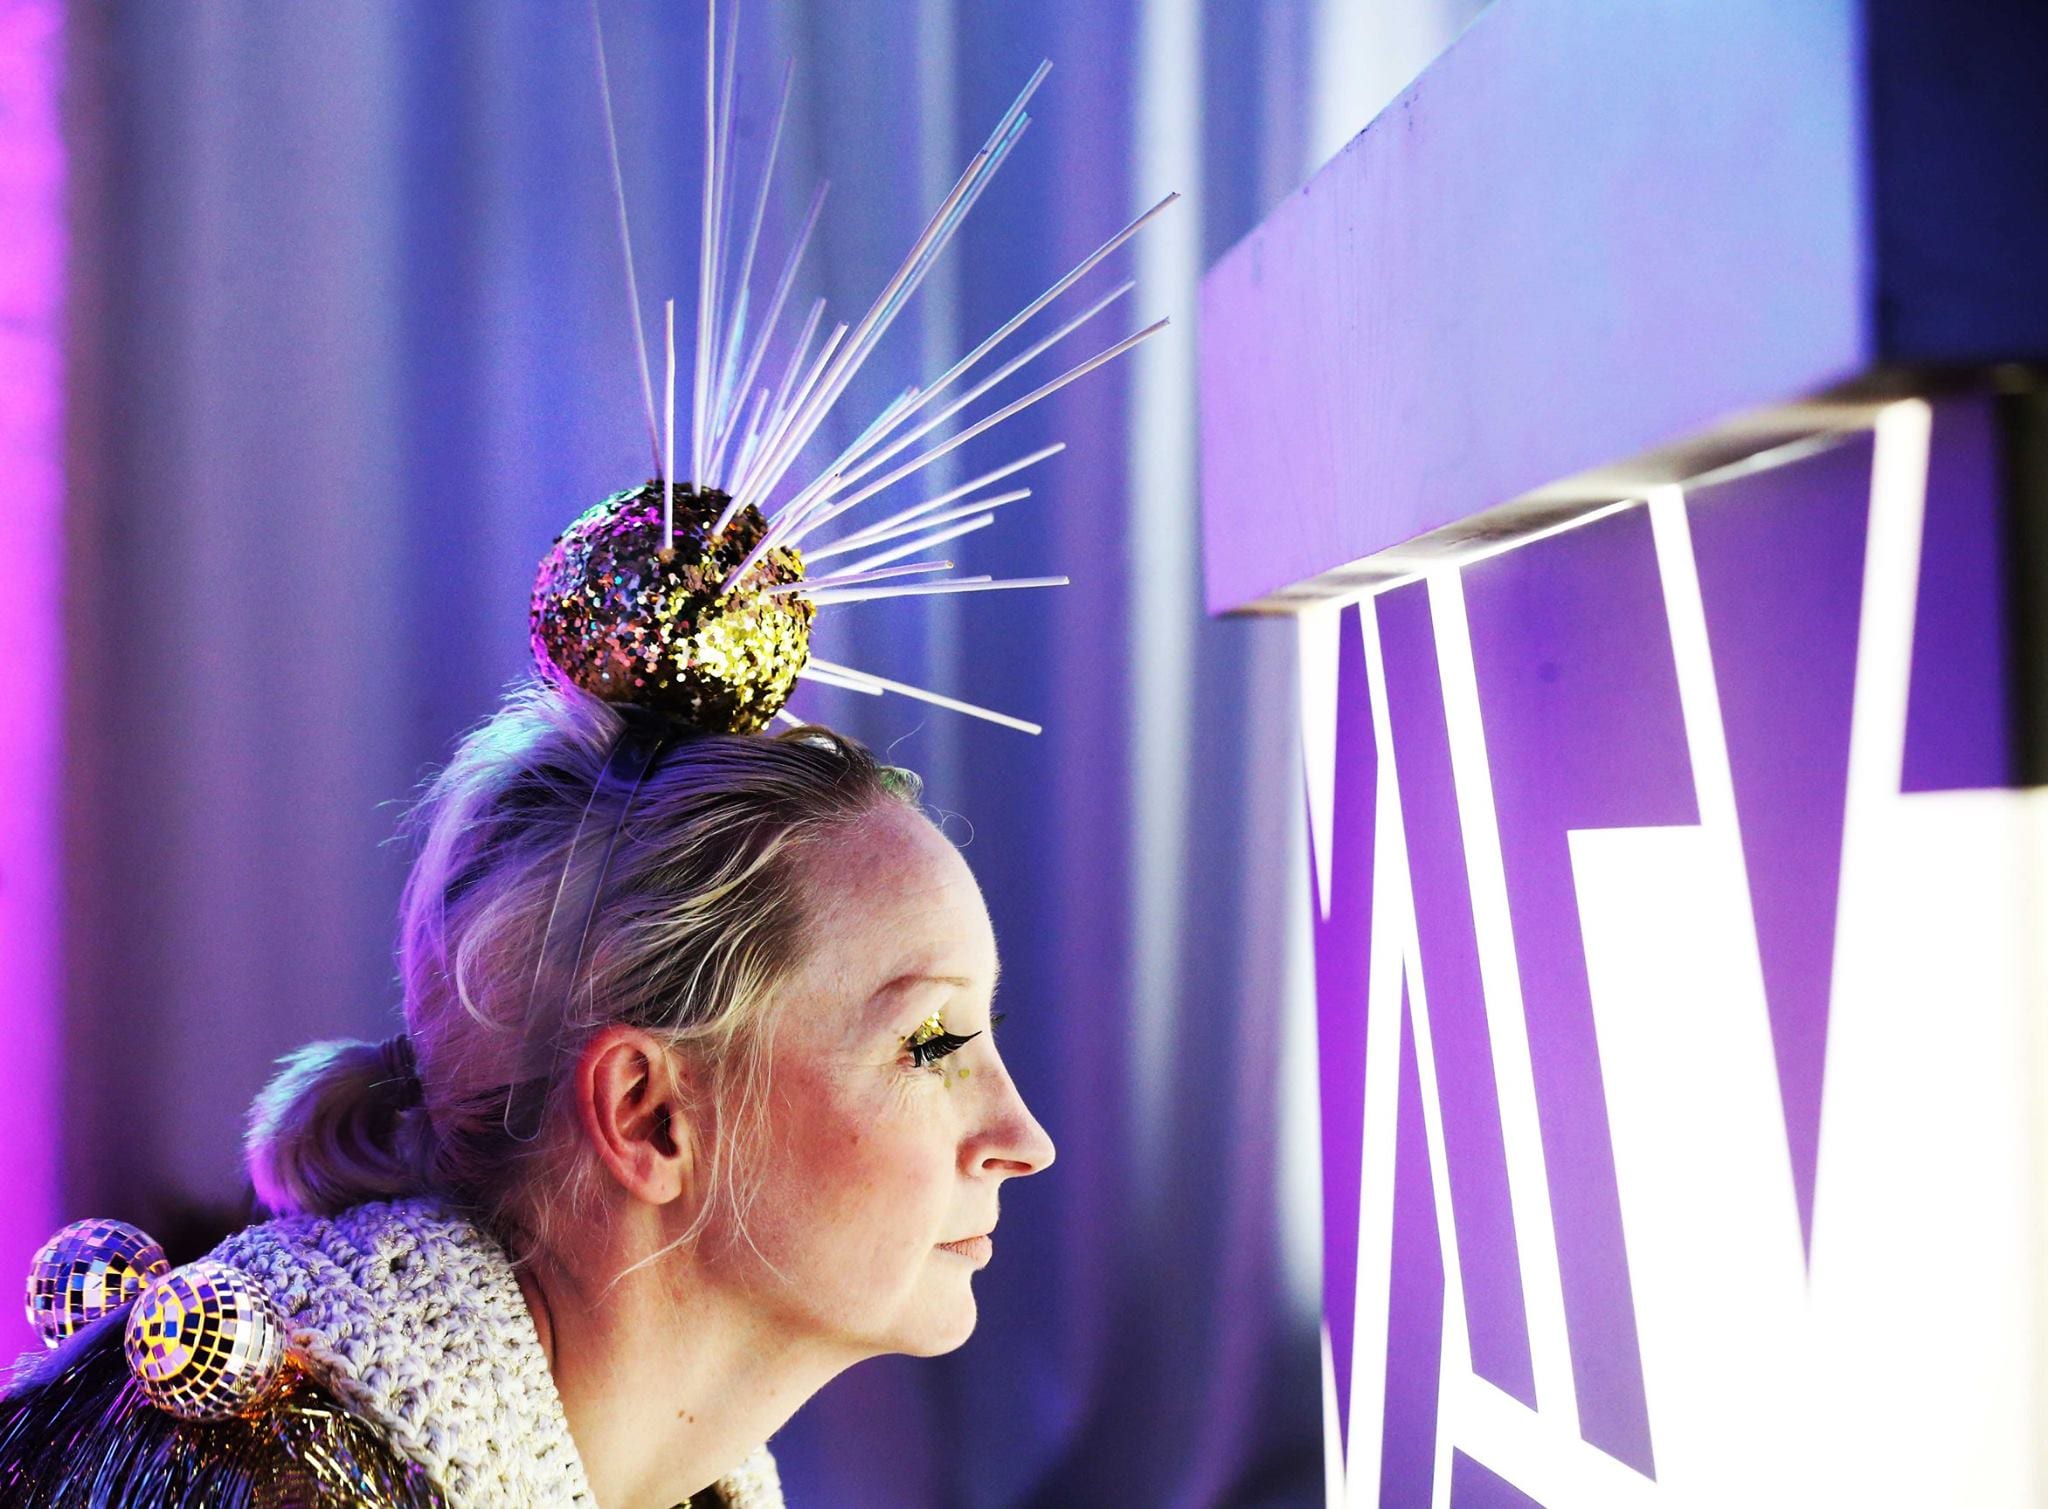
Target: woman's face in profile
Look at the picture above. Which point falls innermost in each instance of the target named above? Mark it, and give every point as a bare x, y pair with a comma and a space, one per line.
881, 1175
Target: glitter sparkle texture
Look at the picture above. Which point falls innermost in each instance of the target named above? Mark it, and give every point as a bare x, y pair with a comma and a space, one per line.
627, 622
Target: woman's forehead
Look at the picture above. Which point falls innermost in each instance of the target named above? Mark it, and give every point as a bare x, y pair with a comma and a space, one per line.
900, 902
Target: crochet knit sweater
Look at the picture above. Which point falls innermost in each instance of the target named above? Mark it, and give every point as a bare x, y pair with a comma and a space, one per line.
412, 1317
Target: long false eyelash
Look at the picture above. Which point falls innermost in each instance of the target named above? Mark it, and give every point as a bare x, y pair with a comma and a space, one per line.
932, 1049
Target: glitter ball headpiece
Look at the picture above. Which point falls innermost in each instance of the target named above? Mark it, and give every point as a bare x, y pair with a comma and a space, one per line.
695, 599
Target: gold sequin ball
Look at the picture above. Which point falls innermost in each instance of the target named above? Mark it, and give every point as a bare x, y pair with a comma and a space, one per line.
85, 1270
616, 615
205, 1342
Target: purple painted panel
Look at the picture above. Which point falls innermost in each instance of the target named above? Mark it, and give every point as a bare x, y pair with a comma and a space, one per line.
1959, 713
1415, 1307
1476, 1486
1481, 1215
1780, 557
1578, 692
1372, 363
1343, 942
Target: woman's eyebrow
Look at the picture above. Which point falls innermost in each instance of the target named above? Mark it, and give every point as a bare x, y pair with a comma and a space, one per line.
886, 992
904, 982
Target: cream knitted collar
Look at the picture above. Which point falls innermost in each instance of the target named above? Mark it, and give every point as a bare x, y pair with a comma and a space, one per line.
412, 1316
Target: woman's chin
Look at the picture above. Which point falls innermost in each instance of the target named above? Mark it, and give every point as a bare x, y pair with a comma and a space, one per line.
943, 1327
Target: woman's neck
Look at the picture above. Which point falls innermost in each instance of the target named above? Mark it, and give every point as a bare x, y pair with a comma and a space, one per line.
664, 1395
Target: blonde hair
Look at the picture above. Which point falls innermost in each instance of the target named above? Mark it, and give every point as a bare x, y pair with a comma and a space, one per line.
704, 909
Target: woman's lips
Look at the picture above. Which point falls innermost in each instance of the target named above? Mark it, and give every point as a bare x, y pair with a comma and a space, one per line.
977, 1250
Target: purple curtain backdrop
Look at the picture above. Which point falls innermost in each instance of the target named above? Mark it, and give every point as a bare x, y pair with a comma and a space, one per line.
350, 344
32, 254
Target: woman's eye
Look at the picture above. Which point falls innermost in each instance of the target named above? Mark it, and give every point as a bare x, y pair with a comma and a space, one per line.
930, 1041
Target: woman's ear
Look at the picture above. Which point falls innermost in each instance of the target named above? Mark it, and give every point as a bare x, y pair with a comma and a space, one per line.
630, 1104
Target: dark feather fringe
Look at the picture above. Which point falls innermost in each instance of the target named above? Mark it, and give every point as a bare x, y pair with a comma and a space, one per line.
76, 1433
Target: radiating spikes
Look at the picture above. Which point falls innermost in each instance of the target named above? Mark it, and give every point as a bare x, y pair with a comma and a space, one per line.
793, 517
935, 589
1080, 270
850, 362
921, 542
799, 359
786, 397
773, 315
791, 435
1015, 406
820, 365
913, 526
707, 247
877, 530
781, 416
773, 535
923, 251
894, 407
611, 141
851, 676
1029, 354
798, 356
731, 381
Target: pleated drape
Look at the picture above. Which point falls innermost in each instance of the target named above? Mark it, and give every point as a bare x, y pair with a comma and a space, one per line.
349, 344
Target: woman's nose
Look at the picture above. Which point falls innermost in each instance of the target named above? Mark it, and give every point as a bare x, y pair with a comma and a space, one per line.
1013, 1143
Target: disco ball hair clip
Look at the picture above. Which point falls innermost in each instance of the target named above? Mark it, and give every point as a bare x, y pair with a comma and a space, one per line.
203, 1342
696, 599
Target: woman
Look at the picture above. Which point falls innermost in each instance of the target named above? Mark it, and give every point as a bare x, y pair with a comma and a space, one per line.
591, 1235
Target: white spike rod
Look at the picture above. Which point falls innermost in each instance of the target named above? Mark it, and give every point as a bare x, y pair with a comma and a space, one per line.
730, 381
913, 526
780, 419
853, 578
922, 252
728, 80
1015, 406
939, 589
853, 357
744, 492
611, 142
826, 487
1081, 269
791, 516
921, 542
789, 719
747, 436
668, 452
876, 530
844, 683
791, 369
707, 242
904, 689
784, 281
794, 366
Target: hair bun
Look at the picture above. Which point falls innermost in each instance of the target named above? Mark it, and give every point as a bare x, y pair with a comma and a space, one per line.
338, 1125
